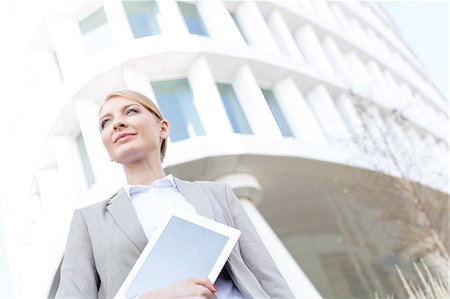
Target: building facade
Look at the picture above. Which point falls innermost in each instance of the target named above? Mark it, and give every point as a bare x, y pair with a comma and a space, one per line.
316, 113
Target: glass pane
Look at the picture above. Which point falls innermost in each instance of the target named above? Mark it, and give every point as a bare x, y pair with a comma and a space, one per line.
95, 20
192, 18
142, 16
277, 114
234, 109
176, 102
95, 31
86, 163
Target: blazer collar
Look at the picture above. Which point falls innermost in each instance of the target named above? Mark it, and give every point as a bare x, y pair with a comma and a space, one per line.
123, 213
197, 196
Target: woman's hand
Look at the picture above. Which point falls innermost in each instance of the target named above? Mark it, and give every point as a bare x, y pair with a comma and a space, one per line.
191, 288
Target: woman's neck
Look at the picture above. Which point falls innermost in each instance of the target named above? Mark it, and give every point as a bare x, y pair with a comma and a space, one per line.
143, 174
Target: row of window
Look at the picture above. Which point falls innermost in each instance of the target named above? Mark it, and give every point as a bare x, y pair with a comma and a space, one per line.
175, 99
144, 19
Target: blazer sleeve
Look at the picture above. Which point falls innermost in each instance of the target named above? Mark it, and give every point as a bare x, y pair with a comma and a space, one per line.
255, 254
78, 275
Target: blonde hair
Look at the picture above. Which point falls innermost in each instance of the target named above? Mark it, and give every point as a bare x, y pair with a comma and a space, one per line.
145, 102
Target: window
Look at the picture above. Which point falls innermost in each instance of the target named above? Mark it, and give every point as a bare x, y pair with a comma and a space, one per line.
85, 162
238, 25
95, 31
234, 110
176, 102
192, 18
142, 16
277, 114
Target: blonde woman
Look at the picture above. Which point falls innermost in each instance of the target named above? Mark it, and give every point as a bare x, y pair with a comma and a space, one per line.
106, 238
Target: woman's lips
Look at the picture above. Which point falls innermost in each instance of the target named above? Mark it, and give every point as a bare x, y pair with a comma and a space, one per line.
122, 136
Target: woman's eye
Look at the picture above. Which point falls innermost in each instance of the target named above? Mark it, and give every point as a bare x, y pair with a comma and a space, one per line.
132, 111
103, 123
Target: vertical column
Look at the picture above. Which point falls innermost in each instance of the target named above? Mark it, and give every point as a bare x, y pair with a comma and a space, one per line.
299, 283
247, 189
362, 77
383, 93
118, 21
323, 107
254, 104
325, 13
297, 112
45, 69
311, 48
70, 170
393, 86
172, 21
136, 79
255, 27
45, 238
283, 36
348, 111
207, 99
341, 18
337, 59
360, 34
218, 22
66, 38
87, 113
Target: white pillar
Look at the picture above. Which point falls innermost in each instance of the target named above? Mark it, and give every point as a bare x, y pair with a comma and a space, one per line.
219, 23
360, 34
67, 41
207, 99
301, 121
44, 68
383, 93
324, 12
45, 237
342, 19
362, 78
283, 36
248, 190
255, 27
337, 59
311, 48
172, 21
345, 106
323, 107
254, 104
70, 170
136, 79
296, 279
118, 21
88, 113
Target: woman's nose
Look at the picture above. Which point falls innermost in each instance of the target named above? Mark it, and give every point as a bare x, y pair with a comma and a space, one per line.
119, 124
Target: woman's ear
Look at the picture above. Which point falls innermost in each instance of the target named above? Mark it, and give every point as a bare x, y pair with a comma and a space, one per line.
165, 129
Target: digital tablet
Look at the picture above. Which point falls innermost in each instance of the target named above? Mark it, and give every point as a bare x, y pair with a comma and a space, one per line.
185, 245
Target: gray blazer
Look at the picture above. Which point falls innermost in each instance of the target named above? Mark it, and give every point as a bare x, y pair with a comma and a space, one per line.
106, 239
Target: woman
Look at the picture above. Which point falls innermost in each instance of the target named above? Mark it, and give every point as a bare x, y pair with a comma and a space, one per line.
106, 238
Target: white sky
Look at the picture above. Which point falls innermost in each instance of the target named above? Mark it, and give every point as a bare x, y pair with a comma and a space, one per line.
423, 25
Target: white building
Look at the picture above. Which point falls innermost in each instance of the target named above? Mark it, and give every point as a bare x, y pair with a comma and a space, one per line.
283, 100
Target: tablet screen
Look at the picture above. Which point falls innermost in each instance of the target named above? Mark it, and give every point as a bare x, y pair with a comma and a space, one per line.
184, 250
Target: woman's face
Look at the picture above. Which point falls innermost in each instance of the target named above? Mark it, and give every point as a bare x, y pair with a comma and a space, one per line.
130, 132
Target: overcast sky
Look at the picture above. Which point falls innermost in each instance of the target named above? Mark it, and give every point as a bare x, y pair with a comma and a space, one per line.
424, 27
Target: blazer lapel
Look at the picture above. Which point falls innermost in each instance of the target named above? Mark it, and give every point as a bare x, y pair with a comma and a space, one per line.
121, 209
196, 195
